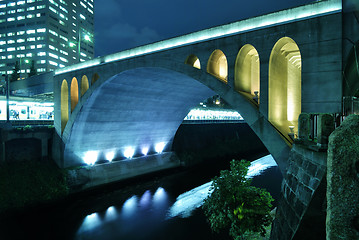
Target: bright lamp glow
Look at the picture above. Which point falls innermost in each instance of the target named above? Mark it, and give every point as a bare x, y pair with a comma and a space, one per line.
90, 157
144, 150
110, 156
87, 38
159, 147
129, 151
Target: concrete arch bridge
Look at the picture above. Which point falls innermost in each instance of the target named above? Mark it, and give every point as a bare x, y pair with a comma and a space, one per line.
269, 68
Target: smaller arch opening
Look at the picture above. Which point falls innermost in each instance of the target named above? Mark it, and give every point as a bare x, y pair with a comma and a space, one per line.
84, 85
74, 93
95, 77
246, 74
217, 65
64, 104
193, 60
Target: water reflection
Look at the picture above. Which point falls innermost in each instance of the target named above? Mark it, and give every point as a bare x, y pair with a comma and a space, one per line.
141, 216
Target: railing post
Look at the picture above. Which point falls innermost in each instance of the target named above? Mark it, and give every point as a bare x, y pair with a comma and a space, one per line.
303, 127
325, 128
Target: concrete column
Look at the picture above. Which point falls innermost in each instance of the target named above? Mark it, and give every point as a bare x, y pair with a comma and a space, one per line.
343, 181
325, 128
303, 127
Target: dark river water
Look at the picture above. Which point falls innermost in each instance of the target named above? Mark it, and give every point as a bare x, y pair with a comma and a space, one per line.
160, 206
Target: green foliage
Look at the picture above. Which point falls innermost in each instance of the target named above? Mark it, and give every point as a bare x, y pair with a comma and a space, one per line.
236, 205
33, 70
31, 182
16, 72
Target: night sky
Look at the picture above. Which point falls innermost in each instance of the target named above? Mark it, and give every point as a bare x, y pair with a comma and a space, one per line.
124, 24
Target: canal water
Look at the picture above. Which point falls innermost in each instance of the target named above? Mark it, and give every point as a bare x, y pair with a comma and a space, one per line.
162, 206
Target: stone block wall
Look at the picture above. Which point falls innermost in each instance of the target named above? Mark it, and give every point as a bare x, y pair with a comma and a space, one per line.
305, 172
343, 181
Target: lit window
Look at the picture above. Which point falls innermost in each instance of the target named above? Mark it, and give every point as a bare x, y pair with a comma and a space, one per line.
63, 52
20, 40
53, 32
2, 5
90, 11
11, 41
20, 55
10, 56
20, 18
38, 14
63, 9
30, 31
53, 63
30, 1
40, 46
20, 2
63, 38
41, 54
53, 55
41, 30
2, 20
10, 49
20, 33
2, 13
40, 7
2, 42
11, 19
63, 59
31, 39
29, 55
53, 9
32, 47
11, 34
30, 16
42, 61
11, 11
2, 50
30, 8
51, 47
21, 10
83, 17
20, 48
61, 65
40, 38
11, 4
83, 54
82, 4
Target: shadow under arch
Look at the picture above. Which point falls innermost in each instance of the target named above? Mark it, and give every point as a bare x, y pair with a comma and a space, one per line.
180, 83
74, 93
95, 77
217, 65
246, 73
284, 93
193, 61
64, 104
84, 84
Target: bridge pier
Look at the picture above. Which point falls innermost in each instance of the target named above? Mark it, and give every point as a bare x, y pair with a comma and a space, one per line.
305, 172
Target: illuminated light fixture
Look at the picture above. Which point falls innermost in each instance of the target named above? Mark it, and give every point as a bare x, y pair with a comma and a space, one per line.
111, 214
129, 151
159, 147
71, 44
87, 38
110, 156
312, 10
144, 150
129, 207
90, 157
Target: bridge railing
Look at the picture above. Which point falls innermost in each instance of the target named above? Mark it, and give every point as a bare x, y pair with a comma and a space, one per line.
32, 123
314, 128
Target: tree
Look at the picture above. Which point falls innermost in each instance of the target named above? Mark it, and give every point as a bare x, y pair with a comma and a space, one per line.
33, 70
236, 205
16, 72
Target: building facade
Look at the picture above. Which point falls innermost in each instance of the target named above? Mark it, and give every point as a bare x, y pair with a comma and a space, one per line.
52, 33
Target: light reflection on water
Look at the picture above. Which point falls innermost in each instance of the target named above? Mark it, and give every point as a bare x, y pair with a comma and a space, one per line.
150, 211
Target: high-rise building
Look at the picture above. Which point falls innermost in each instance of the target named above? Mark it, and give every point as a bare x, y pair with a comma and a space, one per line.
52, 33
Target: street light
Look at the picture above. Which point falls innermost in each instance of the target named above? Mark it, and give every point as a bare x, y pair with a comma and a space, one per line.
7, 97
86, 37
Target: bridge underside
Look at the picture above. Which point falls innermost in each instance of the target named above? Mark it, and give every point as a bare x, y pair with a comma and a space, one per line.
131, 112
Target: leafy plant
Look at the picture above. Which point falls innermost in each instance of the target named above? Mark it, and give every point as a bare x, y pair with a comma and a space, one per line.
236, 205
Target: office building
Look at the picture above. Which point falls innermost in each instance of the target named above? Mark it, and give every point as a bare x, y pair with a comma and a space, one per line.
52, 33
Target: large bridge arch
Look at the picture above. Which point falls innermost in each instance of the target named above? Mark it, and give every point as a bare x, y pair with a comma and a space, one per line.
198, 84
